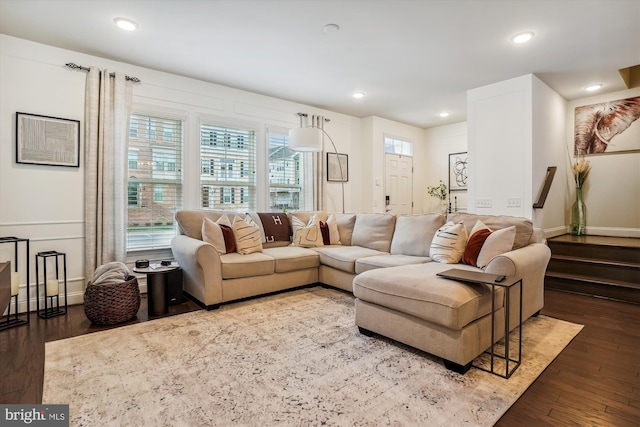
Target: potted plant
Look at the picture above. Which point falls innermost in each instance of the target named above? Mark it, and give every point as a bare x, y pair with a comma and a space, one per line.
440, 191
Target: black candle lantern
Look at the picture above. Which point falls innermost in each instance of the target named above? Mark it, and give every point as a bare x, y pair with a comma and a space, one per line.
15, 318
51, 287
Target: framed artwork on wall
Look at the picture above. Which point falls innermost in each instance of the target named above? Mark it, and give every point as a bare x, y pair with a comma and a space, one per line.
334, 168
44, 140
458, 171
608, 127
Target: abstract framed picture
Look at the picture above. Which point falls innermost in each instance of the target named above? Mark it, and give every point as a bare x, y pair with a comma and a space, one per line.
458, 171
337, 171
44, 140
607, 127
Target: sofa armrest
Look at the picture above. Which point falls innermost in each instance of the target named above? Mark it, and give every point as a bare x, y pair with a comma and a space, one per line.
530, 264
202, 269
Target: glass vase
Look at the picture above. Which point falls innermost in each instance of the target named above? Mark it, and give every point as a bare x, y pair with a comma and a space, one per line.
579, 215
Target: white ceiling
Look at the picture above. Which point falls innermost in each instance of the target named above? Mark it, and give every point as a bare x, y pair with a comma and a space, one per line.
413, 59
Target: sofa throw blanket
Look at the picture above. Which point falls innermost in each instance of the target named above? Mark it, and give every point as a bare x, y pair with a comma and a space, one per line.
276, 227
110, 273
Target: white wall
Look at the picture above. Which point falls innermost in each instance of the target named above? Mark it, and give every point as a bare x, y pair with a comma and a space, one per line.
45, 203
440, 142
499, 126
612, 190
515, 133
375, 129
548, 149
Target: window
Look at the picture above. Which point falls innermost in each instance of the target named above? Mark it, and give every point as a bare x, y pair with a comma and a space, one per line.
154, 181
285, 174
133, 159
228, 163
398, 146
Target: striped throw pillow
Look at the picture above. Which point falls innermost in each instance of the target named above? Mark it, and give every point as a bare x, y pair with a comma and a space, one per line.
448, 243
247, 236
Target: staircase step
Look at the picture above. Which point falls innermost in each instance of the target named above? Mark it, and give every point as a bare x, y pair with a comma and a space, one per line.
596, 268
624, 249
606, 288
607, 267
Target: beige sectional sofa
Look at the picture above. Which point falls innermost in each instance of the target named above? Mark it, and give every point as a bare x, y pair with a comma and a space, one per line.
385, 261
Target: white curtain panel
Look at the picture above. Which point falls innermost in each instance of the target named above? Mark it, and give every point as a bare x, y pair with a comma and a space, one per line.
107, 111
318, 180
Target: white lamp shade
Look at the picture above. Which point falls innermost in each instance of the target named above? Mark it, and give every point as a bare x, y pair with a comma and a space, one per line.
305, 139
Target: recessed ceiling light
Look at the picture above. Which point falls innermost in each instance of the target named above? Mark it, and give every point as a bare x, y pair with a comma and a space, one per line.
358, 95
522, 37
592, 88
126, 24
331, 28
444, 114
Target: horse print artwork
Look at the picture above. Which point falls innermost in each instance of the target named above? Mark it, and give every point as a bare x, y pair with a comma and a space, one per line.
608, 127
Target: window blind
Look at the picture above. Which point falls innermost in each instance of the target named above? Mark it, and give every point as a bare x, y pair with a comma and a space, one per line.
228, 168
286, 174
154, 181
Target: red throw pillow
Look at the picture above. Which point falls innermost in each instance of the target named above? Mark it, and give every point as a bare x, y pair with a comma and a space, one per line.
324, 229
229, 239
474, 245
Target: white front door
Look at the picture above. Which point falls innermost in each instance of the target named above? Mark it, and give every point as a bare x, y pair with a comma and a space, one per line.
398, 184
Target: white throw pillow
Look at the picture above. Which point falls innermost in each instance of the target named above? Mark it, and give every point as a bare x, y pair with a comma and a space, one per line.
334, 235
448, 243
307, 236
498, 242
247, 235
212, 233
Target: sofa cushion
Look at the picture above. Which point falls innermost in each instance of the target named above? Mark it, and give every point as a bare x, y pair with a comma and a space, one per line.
498, 243
247, 235
477, 237
417, 291
345, 223
305, 216
334, 234
275, 226
212, 233
236, 265
344, 257
374, 231
524, 226
384, 261
292, 258
190, 221
229, 238
306, 235
448, 243
413, 234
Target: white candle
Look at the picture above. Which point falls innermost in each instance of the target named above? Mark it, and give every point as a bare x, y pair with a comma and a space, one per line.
52, 287
15, 283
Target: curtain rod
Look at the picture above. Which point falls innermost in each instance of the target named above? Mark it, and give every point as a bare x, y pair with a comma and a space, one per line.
80, 67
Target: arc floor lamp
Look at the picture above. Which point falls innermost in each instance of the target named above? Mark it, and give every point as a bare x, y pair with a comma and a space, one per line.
309, 139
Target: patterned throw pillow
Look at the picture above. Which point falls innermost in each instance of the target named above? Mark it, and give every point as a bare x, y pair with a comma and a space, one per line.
247, 235
212, 233
307, 236
448, 243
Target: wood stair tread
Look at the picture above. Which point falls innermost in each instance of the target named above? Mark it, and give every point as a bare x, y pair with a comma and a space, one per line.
600, 261
590, 279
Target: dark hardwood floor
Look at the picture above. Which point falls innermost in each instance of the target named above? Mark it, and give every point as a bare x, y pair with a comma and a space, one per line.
595, 381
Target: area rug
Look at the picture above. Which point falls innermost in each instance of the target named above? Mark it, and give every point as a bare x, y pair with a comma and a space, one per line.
294, 358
